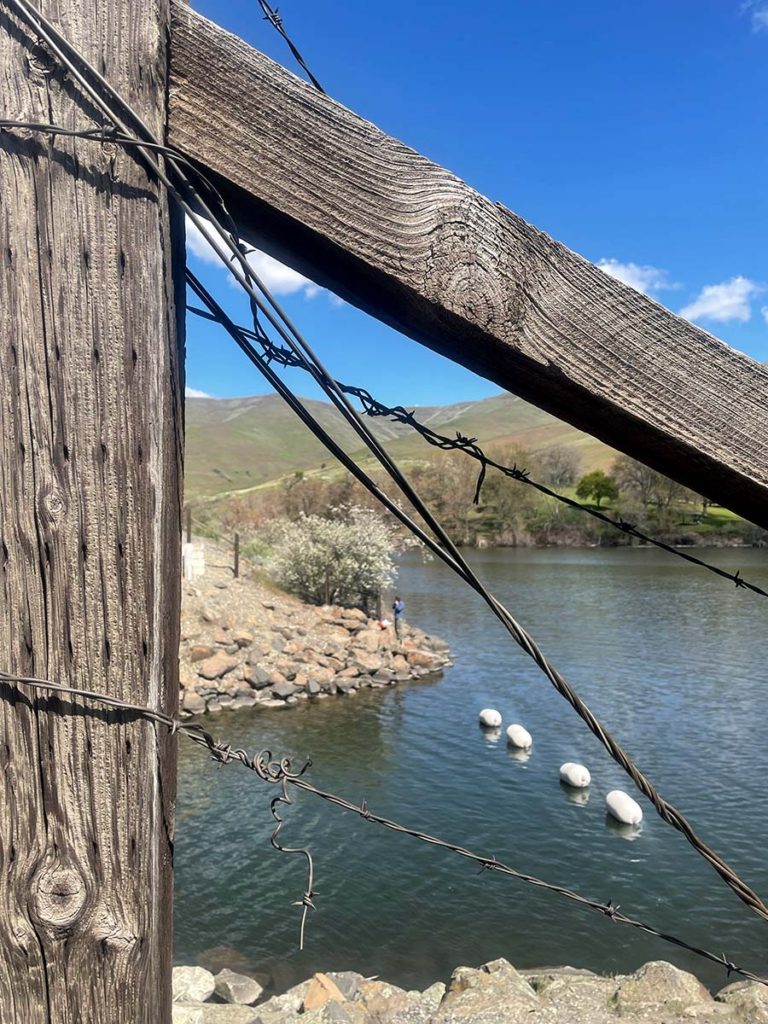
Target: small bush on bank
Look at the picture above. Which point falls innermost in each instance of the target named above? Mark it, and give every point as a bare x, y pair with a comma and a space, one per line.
345, 560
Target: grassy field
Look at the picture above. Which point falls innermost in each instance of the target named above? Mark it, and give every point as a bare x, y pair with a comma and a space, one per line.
237, 445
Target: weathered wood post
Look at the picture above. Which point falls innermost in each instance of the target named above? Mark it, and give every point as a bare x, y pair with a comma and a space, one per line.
236, 568
90, 530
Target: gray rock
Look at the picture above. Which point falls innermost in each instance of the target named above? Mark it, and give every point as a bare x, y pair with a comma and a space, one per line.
223, 1013
237, 988
257, 676
283, 690
278, 643
191, 984
244, 700
494, 992
748, 999
193, 703
347, 982
660, 984
313, 687
189, 1013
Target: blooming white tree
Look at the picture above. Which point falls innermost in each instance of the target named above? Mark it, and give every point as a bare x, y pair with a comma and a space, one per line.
345, 560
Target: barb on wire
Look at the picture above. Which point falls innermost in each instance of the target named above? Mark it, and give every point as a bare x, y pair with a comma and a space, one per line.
280, 772
273, 16
220, 232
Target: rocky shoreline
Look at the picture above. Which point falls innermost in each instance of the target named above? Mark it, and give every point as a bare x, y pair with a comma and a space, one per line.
245, 645
496, 993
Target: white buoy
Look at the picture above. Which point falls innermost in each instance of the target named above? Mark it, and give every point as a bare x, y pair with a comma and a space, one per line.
575, 775
490, 719
623, 808
519, 737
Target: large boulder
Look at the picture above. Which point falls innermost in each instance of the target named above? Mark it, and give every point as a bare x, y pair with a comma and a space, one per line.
237, 988
322, 990
189, 1013
662, 985
191, 984
747, 999
368, 639
384, 1002
493, 992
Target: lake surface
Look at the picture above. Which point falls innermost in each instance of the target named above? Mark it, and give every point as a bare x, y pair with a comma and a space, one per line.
671, 659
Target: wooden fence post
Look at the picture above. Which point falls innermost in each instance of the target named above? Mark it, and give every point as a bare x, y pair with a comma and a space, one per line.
90, 530
237, 556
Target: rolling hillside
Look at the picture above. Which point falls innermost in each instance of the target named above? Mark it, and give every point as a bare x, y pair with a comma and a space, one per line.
241, 443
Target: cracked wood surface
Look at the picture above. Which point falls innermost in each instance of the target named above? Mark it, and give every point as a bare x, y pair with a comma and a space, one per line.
91, 427
335, 198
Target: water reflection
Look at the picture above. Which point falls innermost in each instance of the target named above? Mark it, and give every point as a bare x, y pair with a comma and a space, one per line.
622, 830
580, 797
491, 736
518, 754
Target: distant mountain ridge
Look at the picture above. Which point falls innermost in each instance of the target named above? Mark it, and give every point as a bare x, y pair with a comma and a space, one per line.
236, 444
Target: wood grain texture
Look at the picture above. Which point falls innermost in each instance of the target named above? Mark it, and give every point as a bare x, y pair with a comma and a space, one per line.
330, 194
90, 457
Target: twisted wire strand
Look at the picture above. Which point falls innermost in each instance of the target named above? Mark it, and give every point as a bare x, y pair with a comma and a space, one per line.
224, 241
273, 16
280, 772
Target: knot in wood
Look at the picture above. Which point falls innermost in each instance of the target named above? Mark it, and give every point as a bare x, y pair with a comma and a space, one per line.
59, 895
41, 63
463, 271
52, 506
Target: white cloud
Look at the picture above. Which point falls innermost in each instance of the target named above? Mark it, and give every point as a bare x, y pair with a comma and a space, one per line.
764, 312
729, 300
275, 275
196, 393
758, 14
641, 277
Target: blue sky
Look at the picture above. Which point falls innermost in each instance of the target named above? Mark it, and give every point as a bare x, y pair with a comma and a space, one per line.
633, 133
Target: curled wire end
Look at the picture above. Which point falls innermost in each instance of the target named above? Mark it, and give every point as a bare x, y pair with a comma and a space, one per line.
737, 579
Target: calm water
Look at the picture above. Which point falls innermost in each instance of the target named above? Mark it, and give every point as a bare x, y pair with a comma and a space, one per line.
671, 659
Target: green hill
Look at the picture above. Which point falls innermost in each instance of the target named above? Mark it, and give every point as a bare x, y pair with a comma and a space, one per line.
237, 444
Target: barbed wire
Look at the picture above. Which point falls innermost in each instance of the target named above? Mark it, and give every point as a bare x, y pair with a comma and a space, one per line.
273, 16
223, 239
469, 446
280, 771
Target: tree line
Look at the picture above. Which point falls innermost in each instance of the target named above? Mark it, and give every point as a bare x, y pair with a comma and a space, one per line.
507, 512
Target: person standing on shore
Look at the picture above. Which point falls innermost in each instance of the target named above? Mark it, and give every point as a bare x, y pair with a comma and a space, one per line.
398, 607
